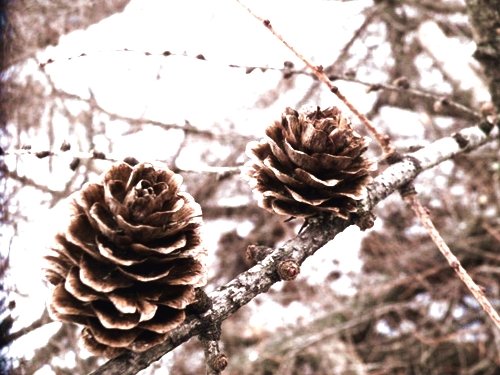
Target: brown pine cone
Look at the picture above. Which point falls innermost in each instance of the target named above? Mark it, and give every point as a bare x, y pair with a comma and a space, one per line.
310, 163
127, 265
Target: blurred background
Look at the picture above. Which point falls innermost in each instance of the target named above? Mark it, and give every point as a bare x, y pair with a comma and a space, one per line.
188, 84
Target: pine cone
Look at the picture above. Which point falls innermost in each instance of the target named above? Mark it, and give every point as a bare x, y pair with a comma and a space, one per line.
310, 163
127, 265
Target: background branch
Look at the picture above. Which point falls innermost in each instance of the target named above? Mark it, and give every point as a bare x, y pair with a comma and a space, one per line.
453, 261
485, 19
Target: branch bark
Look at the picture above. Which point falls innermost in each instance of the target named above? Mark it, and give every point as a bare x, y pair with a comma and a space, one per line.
238, 292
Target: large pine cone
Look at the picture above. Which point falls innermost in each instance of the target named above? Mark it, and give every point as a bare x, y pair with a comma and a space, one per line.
127, 265
310, 163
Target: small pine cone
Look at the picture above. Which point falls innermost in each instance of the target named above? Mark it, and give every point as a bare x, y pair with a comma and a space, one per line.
310, 163
129, 262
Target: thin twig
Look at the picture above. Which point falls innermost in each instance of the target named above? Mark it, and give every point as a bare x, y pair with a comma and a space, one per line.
26, 181
344, 52
492, 231
209, 337
96, 155
221, 171
422, 94
287, 71
187, 127
40, 322
215, 360
382, 139
453, 261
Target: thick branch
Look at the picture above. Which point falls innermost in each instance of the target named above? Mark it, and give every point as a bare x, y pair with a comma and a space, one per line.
258, 279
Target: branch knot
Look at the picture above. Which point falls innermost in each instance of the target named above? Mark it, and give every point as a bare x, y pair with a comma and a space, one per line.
288, 269
218, 362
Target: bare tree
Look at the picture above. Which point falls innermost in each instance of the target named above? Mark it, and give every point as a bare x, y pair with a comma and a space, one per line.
409, 311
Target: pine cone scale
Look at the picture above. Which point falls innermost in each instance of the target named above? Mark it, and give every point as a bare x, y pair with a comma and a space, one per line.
112, 318
146, 309
290, 208
164, 320
101, 277
96, 347
66, 304
79, 290
149, 270
328, 162
124, 304
117, 254
179, 302
102, 221
312, 181
300, 158
173, 244
116, 338
273, 149
308, 200
92, 194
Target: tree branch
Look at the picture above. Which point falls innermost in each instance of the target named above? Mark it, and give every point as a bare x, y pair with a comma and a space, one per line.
220, 171
453, 261
238, 292
318, 71
484, 16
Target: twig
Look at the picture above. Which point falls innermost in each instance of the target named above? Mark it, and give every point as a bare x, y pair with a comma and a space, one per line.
382, 139
344, 52
40, 322
427, 95
287, 71
216, 361
492, 231
453, 261
165, 54
221, 171
97, 155
187, 127
26, 181
439, 7
238, 292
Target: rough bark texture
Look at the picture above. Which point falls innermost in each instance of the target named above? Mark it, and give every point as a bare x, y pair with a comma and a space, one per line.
238, 292
485, 19
412, 164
